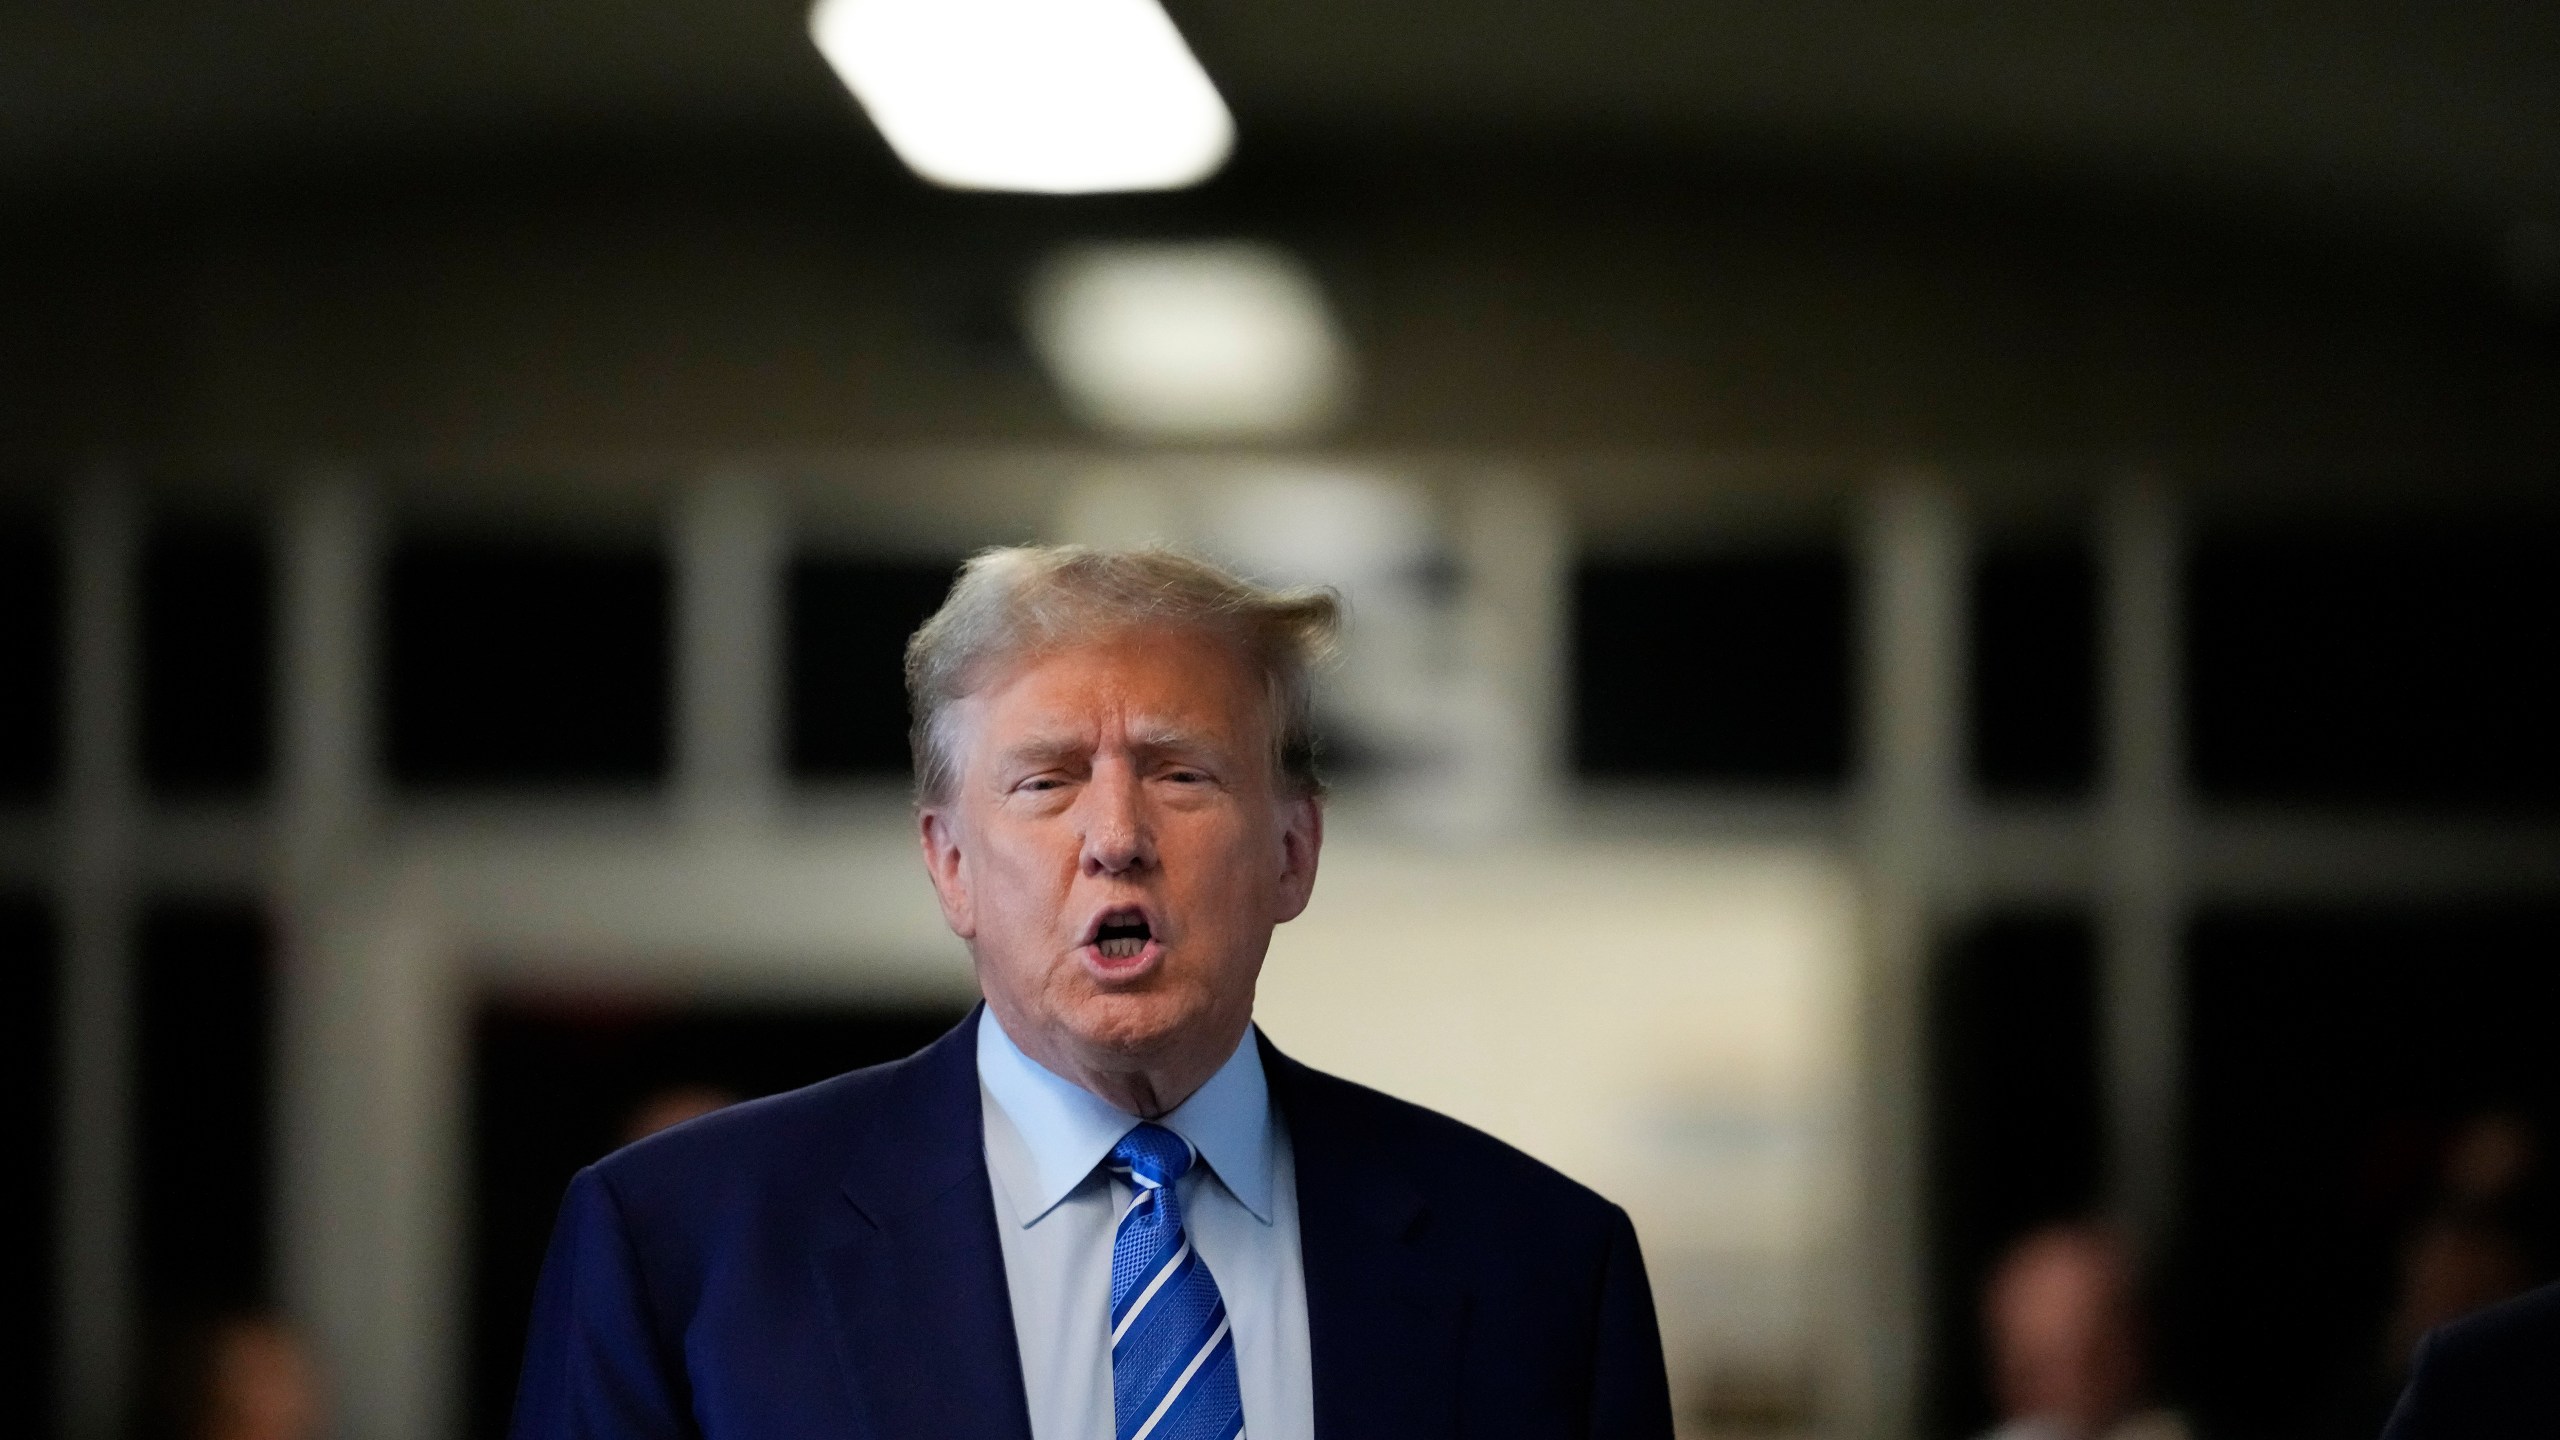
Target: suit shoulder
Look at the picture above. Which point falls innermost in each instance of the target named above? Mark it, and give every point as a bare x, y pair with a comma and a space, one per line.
2524, 1330
774, 1137
1443, 1155
2485, 1374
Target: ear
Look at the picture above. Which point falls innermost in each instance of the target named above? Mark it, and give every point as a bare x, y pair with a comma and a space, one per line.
939, 837
1301, 837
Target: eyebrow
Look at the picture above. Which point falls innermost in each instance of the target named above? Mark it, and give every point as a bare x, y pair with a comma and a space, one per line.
1156, 738
1043, 749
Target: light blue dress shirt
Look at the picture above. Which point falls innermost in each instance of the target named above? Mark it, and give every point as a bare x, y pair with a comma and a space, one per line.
1058, 1210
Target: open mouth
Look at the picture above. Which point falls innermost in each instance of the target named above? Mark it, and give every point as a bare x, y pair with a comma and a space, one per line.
1122, 934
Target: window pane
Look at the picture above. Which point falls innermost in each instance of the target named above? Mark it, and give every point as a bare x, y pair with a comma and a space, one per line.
2035, 672
30, 660
2408, 667
513, 663
1723, 667
850, 619
207, 661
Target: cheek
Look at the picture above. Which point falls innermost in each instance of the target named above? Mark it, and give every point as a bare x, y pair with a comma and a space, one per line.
1016, 885
1227, 862
1033, 893
1236, 882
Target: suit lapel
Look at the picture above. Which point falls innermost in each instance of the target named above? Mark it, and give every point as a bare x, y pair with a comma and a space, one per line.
1386, 1324
924, 1323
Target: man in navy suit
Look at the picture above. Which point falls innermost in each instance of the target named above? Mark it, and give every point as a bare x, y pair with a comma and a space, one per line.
2487, 1376
1104, 1207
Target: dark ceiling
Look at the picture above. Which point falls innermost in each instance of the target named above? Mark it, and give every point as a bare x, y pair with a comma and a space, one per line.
2441, 117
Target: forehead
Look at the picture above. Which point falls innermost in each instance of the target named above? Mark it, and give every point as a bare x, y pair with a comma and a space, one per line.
1190, 683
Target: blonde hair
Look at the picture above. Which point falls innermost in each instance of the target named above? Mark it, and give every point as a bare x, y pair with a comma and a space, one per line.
1017, 601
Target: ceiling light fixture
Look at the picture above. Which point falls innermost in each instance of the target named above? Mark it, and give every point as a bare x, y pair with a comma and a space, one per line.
1189, 341
1056, 97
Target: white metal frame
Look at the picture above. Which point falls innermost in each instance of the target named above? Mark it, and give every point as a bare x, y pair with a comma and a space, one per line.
424, 902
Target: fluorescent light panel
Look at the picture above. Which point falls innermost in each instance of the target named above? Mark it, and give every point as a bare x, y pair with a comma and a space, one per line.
1200, 340
1052, 96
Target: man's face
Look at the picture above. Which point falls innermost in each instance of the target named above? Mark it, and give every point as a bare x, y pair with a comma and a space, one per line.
2063, 1342
1117, 849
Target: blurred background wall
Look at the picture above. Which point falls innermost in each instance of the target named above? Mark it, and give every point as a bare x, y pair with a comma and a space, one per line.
1950, 613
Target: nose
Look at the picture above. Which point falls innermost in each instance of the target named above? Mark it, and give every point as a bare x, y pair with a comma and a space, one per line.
1117, 838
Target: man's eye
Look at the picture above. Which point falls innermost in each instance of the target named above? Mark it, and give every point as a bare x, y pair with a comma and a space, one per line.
1185, 777
1043, 782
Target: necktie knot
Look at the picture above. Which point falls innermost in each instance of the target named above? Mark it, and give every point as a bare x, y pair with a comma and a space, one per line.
1151, 1157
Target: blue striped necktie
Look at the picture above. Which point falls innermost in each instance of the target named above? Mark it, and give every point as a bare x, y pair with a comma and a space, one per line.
1173, 1362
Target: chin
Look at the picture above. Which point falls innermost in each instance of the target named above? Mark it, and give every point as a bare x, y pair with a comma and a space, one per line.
1136, 1025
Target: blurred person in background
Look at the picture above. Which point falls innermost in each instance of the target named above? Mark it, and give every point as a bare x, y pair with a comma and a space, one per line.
666, 1109
243, 1376
2470, 1251
2475, 1366
2062, 1326
1104, 1207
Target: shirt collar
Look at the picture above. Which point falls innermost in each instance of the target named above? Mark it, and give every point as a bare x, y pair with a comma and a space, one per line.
1068, 1129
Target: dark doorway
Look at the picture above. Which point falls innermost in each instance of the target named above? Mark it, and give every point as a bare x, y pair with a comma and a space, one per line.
204, 1087
559, 1083
2014, 1124
30, 1099
2337, 1061
203, 1040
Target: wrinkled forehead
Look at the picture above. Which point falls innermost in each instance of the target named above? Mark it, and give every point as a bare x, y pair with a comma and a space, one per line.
1145, 686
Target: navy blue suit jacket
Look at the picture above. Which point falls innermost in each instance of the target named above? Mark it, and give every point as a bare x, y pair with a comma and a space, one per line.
825, 1264
2487, 1376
